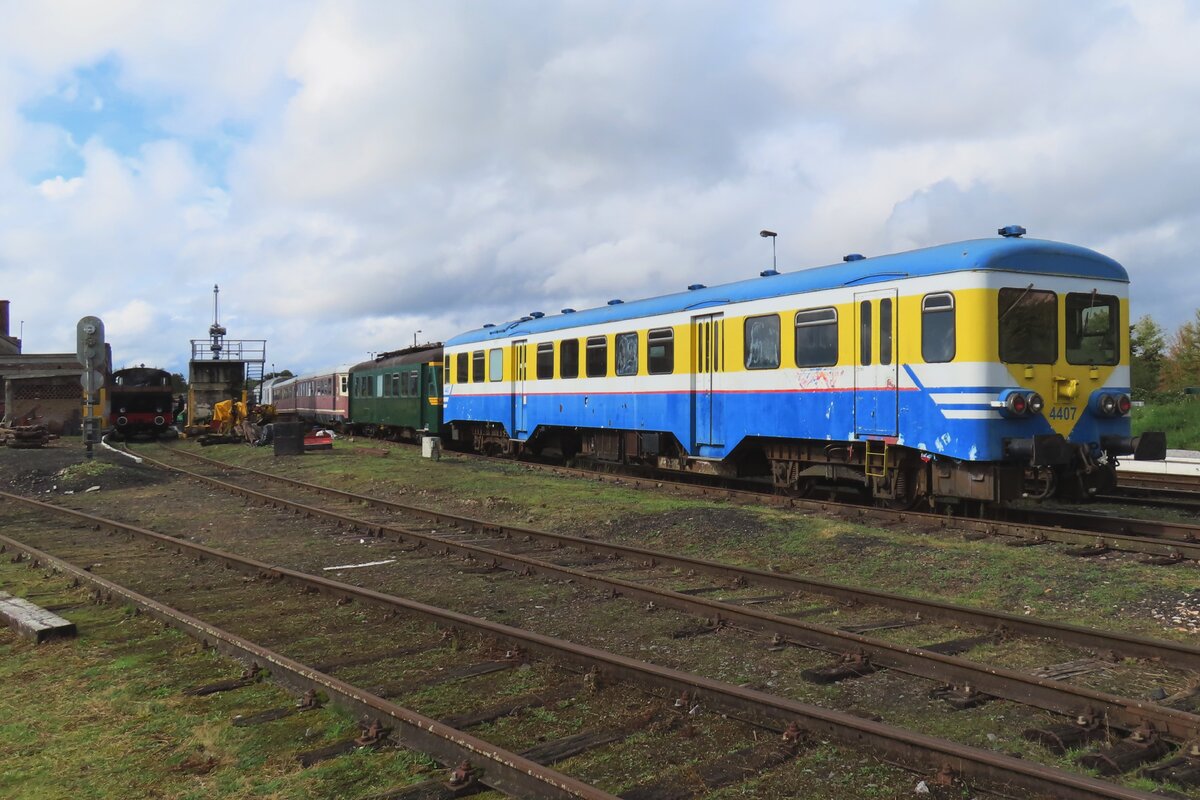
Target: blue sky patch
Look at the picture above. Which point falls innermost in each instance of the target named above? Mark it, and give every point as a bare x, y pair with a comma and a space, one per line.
92, 103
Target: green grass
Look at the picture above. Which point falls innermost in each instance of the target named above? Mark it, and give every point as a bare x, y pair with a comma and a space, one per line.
1180, 421
104, 715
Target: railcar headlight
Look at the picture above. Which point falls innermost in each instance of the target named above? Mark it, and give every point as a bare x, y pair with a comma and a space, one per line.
1036, 403
1124, 404
1017, 404
1108, 405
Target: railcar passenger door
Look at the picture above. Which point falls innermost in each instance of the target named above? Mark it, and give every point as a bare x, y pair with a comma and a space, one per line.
875, 371
520, 425
708, 360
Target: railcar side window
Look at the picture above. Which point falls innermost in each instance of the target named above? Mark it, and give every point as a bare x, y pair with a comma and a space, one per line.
937, 328
762, 342
627, 353
568, 358
477, 367
1093, 329
864, 334
545, 361
660, 351
817, 337
1028, 326
344, 381
885, 330
461, 376
413, 388
597, 356
397, 388
496, 364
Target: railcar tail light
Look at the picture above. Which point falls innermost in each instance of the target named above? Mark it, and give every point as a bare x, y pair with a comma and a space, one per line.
1124, 404
1108, 405
1017, 404
1036, 403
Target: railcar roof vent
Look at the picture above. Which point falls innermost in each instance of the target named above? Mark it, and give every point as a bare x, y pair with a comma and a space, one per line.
489, 324
853, 257
693, 287
525, 319
536, 314
615, 302
766, 273
568, 311
1012, 231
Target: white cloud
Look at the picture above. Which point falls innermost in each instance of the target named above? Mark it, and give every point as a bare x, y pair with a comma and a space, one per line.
352, 172
57, 188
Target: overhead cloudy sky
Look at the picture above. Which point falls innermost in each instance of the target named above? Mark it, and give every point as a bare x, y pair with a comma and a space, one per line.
352, 173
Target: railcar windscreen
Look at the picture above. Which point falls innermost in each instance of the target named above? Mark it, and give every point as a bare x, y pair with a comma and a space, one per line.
1093, 329
1028, 326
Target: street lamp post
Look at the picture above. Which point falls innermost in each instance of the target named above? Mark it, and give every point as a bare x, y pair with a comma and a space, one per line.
771, 235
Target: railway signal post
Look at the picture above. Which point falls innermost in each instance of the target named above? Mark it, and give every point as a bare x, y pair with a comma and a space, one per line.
89, 351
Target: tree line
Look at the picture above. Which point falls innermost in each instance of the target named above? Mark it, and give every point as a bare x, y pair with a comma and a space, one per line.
1162, 366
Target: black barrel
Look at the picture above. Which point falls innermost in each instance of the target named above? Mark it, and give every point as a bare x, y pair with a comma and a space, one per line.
289, 438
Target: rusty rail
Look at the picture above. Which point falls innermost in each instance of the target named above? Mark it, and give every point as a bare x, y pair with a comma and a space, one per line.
493, 766
1129, 645
1169, 541
906, 747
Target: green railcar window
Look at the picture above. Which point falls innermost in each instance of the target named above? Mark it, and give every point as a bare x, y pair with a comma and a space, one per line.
413, 390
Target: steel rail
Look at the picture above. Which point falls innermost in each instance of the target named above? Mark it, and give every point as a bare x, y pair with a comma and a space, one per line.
1128, 645
1180, 545
493, 766
906, 747
1181, 532
1021, 687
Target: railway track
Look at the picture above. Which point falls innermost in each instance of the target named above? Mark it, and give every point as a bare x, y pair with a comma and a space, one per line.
484, 542
795, 719
472, 758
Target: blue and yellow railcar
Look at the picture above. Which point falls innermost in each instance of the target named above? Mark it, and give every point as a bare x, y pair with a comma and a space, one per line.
982, 370
397, 395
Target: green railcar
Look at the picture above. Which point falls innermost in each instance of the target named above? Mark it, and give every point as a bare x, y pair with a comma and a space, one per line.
398, 395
